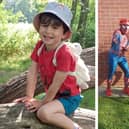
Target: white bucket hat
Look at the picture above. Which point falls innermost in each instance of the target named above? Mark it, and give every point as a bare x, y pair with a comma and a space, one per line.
60, 10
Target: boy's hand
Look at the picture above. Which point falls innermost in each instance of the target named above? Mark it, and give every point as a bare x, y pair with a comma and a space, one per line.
22, 99
33, 105
30, 103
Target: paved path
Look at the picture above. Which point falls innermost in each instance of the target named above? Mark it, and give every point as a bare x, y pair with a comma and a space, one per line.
116, 92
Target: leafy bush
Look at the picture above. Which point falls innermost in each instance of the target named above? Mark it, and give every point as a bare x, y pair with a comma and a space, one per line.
16, 39
88, 38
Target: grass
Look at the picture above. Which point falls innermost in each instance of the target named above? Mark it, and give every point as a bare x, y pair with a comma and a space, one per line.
88, 100
13, 67
113, 113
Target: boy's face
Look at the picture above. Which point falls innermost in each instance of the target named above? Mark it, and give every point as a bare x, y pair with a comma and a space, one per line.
50, 34
51, 29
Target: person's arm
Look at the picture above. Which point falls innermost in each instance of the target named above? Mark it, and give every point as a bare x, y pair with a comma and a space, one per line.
32, 79
33, 105
54, 87
116, 38
31, 83
127, 45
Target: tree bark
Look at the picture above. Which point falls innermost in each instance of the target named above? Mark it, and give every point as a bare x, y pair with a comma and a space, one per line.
16, 87
15, 116
82, 20
73, 9
83, 14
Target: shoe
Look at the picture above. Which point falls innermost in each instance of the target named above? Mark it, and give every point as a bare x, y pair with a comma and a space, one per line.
108, 92
126, 90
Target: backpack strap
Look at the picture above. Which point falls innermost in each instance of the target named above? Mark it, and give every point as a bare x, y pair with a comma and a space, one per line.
57, 49
40, 49
54, 58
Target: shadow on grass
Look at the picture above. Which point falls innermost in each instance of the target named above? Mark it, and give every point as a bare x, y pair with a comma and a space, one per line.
122, 100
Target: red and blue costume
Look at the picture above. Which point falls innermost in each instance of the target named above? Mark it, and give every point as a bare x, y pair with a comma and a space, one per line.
116, 56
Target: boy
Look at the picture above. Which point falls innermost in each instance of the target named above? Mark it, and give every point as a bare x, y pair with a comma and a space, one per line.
120, 44
62, 92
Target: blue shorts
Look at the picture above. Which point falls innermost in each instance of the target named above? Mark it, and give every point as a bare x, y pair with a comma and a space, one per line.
70, 103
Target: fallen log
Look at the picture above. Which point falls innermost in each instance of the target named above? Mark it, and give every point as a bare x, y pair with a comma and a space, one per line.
15, 87
88, 55
15, 116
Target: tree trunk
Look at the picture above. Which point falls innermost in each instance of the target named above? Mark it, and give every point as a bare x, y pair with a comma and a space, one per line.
82, 20
83, 14
73, 9
15, 116
15, 88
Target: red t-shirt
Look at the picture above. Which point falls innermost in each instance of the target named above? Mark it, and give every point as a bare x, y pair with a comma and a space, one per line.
65, 61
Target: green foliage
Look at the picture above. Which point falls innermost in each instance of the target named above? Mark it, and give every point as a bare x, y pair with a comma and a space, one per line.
13, 66
113, 113
8, 16
90, 34
88, 38
25, 7
16, 39
3, 14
